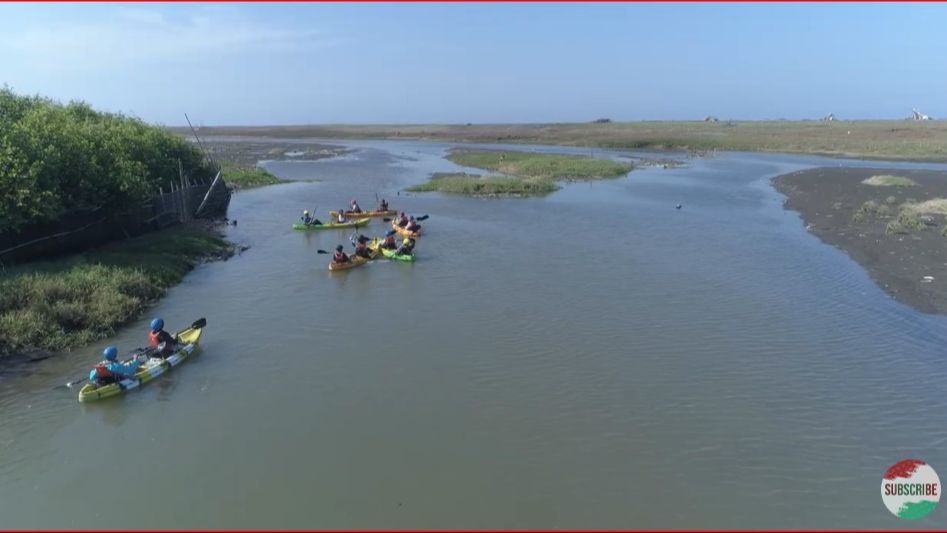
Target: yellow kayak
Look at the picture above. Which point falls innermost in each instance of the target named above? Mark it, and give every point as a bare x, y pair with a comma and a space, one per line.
354, 261
154, 367
404, 232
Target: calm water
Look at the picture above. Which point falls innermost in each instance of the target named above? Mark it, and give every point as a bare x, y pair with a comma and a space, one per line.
594, 358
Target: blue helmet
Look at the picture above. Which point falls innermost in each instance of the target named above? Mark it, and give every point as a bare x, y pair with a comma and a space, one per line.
157, 324
110, 353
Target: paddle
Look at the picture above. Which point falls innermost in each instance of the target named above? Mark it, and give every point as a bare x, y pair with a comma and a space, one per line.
419, 219
197, 324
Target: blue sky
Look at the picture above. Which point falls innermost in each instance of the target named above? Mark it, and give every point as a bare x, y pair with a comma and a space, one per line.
254, 64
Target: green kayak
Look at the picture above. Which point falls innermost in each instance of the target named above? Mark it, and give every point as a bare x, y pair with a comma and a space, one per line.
333, 225
392, 254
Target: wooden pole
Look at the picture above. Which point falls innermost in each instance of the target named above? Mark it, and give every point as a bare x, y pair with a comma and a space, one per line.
207, 195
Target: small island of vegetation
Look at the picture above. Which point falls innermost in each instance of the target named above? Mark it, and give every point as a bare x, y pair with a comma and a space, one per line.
521, 173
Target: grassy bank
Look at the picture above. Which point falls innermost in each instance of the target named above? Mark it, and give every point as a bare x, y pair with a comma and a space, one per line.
536, 165
473, 185
888, 139
58, 305
246, 177
525, 173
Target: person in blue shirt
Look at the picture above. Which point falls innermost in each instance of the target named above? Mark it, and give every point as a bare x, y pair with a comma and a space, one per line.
110, 370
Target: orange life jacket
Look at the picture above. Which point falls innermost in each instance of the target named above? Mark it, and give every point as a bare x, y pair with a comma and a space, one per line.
153, 339
102, 371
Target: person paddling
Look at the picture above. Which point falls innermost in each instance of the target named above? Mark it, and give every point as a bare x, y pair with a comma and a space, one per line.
361, 246
340, 217
355, 207
159, 338
389, 243
310, 220
402, 220
383, 205
110, 370
413, 225
340, 256
407, 247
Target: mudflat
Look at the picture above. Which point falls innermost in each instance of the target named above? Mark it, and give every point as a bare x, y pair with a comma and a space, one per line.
893, 225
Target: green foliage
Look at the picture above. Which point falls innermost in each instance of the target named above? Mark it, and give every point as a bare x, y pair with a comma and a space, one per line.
870, 209
55, 158
908, 220
59, 304
886, 180
538, 165
472, 185
242, 177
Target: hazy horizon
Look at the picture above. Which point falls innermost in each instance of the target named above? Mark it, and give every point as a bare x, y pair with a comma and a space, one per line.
421, 64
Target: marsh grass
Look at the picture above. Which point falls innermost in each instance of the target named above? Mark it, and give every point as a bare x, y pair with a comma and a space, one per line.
934, 206
887, 139
908, 220
61, 304
473, 185
243, 177
889, 181
539, 165
869, 210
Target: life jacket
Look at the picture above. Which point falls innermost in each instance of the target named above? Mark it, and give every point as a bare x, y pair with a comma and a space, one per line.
339, 257
356, 208
403, 222
154, 339
390, 242
102, 371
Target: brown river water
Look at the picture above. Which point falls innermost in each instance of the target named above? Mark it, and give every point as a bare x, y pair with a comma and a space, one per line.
592, 358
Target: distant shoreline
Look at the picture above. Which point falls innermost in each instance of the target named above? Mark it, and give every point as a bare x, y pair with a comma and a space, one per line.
900, 140
864, 221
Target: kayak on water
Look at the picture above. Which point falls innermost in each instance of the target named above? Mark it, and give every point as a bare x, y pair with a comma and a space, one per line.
333, 225
354, 261
365, 214
155, 366
403, 231
375, 246
393, 254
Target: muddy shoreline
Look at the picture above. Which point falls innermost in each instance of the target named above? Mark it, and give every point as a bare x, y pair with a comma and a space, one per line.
249, 153
911, 266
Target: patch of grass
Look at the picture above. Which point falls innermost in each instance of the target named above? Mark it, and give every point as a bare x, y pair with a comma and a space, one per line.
473, 185
537, 165
934, 206
870, 209
242, 177
886, 180
907, 221
61, 304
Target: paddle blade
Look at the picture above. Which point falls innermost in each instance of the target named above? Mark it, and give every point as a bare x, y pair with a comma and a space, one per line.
386, 219
425, 217
199, 323
321, 252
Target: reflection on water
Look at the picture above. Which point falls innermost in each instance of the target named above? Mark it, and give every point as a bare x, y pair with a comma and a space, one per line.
592, 358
